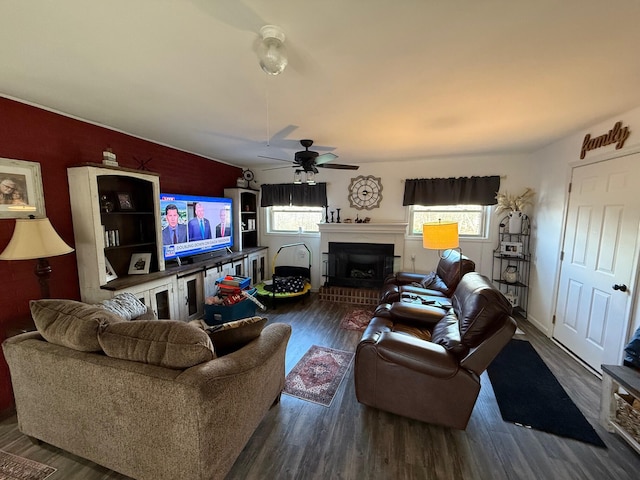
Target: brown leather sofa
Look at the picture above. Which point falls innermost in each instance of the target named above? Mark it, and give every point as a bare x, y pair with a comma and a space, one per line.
425, 361
441, 283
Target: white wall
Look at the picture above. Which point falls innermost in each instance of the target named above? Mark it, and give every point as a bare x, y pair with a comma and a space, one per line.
556, 161
516, 170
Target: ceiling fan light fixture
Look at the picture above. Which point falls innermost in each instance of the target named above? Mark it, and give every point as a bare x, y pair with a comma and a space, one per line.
271, 51
297, 177
311, 178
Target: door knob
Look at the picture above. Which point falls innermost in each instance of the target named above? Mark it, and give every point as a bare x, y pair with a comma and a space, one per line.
622, 288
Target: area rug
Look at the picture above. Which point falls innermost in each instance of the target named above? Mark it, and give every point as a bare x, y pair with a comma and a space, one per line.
13, 467
529, 395
318, 374
357, 319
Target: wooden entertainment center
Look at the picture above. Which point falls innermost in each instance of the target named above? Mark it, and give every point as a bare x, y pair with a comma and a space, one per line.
126, 202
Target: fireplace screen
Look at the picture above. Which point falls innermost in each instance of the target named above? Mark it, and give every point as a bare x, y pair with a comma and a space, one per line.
359, 264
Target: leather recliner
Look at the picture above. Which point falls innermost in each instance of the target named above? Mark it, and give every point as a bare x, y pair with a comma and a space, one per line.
451, 267
424, 361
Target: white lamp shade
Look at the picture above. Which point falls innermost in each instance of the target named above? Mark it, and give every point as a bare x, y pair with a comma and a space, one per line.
440, 235
34, 238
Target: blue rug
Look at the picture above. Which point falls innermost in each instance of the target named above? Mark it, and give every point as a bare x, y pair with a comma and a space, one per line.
528, 394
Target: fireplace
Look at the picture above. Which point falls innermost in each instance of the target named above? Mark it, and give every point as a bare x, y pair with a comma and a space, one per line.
359, 264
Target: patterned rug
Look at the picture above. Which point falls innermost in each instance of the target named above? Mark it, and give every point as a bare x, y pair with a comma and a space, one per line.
318, 374
13, 467
357, 319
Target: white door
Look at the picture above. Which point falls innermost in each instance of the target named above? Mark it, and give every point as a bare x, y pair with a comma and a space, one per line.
598, 269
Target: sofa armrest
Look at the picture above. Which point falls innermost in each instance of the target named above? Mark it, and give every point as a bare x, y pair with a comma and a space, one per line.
417, 314
403, 278
417, 355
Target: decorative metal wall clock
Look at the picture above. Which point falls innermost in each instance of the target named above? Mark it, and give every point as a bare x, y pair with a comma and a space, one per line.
365, 192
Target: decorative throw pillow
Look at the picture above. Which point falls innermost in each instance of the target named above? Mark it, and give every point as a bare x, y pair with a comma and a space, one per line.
70, 323
127, 305
232, 336
166, 343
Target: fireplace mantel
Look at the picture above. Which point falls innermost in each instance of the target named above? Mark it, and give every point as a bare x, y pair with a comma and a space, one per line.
363, 233
368, 228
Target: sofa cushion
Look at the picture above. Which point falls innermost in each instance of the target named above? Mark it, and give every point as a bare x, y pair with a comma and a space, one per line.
431, 281
166, 343
70, 323
126, 305
232, 336
447, 333
413, 331
480, 307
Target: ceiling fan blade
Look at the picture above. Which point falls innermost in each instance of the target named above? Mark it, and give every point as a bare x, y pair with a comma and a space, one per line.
275, 158
339, 166
278, 168
325, 157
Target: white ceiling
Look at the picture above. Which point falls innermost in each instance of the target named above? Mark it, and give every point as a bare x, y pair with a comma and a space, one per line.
375, 80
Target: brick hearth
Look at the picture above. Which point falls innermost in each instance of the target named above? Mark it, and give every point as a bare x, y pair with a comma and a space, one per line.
358, 296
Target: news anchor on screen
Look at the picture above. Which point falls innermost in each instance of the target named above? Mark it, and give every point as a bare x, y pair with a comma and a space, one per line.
223, 229
199, 227
174, 232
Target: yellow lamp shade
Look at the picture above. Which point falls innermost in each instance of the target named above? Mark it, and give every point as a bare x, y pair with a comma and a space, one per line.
440, 235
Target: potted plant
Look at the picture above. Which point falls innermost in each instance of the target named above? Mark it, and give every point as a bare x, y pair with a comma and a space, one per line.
514, 204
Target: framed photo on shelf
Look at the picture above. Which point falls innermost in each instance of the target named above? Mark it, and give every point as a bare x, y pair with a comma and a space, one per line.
111, 273
140, 263
124, 201
511, 249
21, 192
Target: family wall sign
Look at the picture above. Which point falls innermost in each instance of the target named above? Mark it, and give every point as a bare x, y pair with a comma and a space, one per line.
618, 135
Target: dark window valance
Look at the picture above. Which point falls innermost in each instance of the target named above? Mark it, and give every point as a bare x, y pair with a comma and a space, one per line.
286, 194
451, 191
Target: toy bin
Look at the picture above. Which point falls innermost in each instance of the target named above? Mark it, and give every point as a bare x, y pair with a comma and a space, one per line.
218, 314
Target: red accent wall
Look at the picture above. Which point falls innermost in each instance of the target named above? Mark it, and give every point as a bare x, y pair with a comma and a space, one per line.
57, 142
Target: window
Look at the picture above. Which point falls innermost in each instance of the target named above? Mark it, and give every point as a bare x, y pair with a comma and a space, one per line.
292, 219
472, 219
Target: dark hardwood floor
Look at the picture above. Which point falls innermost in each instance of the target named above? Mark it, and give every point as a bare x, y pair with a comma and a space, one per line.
303, 440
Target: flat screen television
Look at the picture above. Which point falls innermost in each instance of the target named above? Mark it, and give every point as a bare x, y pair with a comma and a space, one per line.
194, 225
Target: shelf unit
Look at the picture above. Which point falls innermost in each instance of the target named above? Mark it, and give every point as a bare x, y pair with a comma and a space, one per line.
615, 377
513, 253
245, 217
96, 191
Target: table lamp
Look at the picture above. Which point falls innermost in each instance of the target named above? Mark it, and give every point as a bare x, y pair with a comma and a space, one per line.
36, 238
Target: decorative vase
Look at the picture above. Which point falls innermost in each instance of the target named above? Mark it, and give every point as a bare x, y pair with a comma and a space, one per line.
510, 274
515, 221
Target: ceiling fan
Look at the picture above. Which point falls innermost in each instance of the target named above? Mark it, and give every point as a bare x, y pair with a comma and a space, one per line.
307, 160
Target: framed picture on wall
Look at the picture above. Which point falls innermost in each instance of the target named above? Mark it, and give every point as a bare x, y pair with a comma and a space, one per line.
140, 263
511, 249
21, 192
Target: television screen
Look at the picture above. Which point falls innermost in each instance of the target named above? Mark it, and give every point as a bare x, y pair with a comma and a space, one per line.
193, 225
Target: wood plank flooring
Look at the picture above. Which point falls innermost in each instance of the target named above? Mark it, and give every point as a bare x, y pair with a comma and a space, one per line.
302, 440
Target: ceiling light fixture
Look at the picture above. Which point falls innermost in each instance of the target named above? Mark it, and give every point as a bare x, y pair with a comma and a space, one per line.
271, 51
297, 177
311, 178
